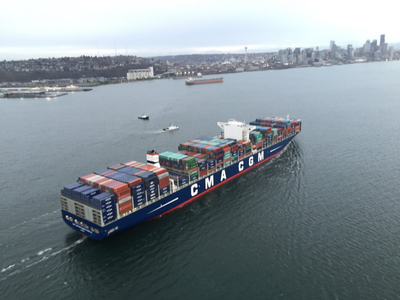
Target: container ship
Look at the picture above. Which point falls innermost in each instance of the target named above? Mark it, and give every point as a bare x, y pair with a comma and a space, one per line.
190, 81
107, 201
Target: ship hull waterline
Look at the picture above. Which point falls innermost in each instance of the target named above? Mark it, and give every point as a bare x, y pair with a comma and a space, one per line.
175, 200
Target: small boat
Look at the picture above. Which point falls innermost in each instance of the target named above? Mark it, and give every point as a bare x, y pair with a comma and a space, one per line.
144, 117
171, 127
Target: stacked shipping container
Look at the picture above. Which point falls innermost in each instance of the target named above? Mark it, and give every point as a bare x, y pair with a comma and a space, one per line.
92, 197
131, 185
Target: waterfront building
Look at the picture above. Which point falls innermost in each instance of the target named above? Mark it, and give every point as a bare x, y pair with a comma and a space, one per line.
391, 52
140, 74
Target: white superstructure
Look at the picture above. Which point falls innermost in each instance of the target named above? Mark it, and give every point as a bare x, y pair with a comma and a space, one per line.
235, 130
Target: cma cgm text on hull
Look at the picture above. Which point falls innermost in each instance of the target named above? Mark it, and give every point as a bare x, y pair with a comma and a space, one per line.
110, 200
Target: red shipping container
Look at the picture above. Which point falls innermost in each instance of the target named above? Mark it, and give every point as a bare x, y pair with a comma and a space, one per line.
147, 167
122, 193
160, 171
129, 163
104, 185
118, 198
163, 182
203, 173
211, 170
95, 182
119, 187
125, 208
194, 169
134, 182
83, 179
91, 180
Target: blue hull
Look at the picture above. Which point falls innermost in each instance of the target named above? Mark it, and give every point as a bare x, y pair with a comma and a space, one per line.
182, 196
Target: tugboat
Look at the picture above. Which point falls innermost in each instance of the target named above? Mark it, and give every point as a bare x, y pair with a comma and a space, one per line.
144, 117
171, 127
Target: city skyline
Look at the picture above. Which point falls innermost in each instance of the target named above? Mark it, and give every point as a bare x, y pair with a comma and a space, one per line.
50, 29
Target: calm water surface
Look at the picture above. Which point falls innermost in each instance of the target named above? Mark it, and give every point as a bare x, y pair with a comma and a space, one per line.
321, 221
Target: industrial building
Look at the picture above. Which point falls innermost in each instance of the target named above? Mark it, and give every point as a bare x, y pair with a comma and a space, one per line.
140, 74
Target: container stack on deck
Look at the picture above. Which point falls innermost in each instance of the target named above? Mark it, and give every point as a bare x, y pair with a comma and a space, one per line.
181, 166
92, 197
119, 188
283, 126
256, 139
221, 152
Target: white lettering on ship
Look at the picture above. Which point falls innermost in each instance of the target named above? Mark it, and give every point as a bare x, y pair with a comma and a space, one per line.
209, 182
241, 166
251, 161
194, 190
223, 175
275, 149
261, 156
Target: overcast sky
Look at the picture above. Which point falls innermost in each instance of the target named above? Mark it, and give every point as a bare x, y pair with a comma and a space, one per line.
44, 28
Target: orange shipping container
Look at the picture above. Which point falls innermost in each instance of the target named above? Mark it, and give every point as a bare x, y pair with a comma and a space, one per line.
125, 208
104, 185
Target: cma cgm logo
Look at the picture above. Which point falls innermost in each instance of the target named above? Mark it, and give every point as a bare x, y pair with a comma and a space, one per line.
209, 181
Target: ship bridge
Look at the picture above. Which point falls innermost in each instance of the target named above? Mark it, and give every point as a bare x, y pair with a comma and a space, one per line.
235, 130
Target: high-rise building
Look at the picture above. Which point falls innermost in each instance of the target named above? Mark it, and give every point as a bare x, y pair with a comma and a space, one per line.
374, 46
367, 47
382, 40
331, 46
333, 49
309, 52
350, 51
384, 48
316, 53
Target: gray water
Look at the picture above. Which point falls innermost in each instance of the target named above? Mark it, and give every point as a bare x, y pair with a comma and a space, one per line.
321, 221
